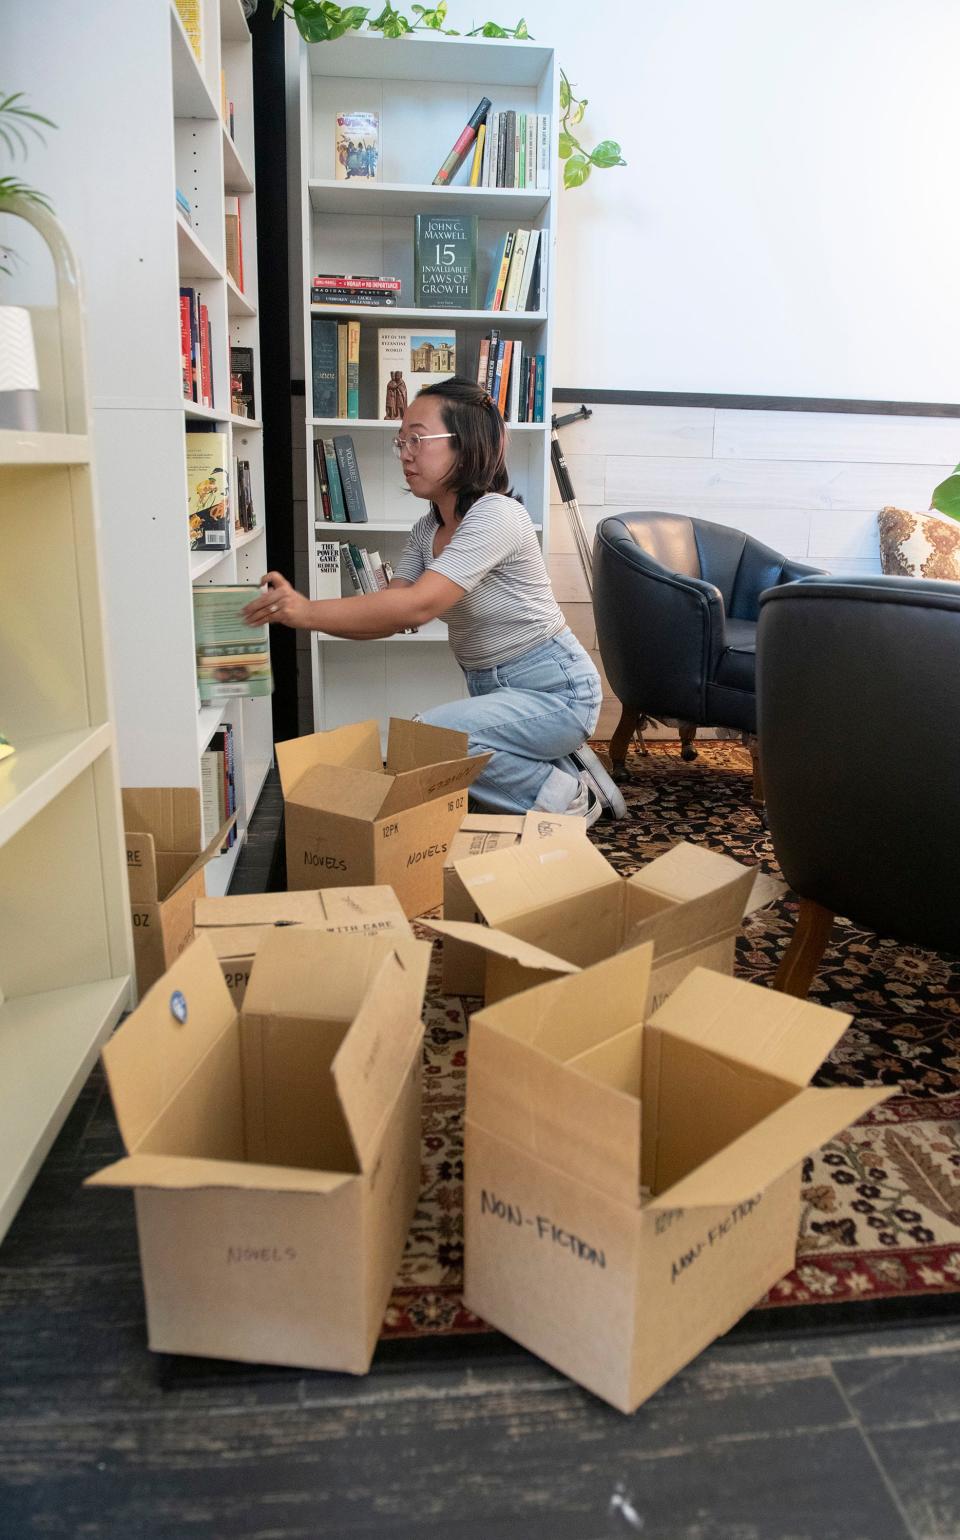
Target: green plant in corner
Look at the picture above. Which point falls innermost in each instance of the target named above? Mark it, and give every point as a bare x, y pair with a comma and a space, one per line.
578, 160
946, 497
16, 123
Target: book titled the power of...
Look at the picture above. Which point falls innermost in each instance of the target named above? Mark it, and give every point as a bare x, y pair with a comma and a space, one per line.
445, 262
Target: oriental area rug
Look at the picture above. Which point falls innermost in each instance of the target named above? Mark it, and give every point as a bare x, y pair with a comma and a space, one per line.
880, 1209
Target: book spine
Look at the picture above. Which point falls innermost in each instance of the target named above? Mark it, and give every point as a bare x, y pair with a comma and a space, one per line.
538, 390
465, 139
231, 786
520, 406
543, 150
194, 348
353, 368
348, 562
521, 149
379, 575
323, 336
492, 360
372, 585
530, 175
490, 154
357, 556
541, 285
497, 369
352, 297
477, 165
504, 270
350, 478
503, 386
209, 799
531, 384
321, 467
338, 509
204, 357
355, 281
328, 569
341, 368
482, 362
186, 378
510, 155
511, 289
529, 268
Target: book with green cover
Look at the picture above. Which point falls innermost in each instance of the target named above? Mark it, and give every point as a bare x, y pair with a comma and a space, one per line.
445, 262
233, 659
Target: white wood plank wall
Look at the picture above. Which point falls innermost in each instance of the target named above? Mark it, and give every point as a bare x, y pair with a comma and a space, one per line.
810, 484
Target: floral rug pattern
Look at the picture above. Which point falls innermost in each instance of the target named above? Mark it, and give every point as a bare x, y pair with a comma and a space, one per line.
880, 1204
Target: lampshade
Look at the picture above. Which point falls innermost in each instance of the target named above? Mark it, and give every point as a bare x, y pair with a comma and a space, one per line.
18, 361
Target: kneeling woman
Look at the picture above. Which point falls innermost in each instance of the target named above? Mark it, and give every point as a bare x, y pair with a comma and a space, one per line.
473, 558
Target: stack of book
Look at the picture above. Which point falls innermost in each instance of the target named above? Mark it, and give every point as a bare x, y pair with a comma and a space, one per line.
513, 377
353, 289
367, 571
338, 475
516, 150
335, 346
518, 277
218, 784
196, 349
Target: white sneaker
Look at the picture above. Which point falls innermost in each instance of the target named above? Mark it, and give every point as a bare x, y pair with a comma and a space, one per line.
586, 804
598, 779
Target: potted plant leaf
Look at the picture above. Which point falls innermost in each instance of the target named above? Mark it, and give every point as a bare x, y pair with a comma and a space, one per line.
19, 382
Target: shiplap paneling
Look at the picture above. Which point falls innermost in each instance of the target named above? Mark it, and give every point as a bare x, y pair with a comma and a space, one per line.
728, 488
677, 431
834, 436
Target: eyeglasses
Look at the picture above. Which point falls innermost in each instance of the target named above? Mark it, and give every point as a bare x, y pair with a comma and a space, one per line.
413, 442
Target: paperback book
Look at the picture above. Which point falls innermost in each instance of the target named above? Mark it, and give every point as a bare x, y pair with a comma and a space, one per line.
241, 382
233, 659
207, 491
409, 360
357, 146
445, 262
461, 147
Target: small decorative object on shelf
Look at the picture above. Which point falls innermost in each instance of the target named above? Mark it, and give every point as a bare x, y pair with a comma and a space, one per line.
357, 146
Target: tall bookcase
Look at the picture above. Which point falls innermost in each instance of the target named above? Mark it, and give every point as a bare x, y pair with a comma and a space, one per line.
65, 945
139, 116
424, 89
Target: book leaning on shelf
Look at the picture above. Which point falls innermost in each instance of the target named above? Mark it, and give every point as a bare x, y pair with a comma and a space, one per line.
461, 147
218, 785
514, 377
244, 513
338, 480
233, 659
518, 272
445, 261
233, 233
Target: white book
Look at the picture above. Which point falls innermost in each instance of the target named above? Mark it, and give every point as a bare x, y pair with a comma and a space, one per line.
543, 150
487, 146
511, 292
529, 263
211, 793
530, 152
376, 562
493, 141
513, 390
369, 573
328, 569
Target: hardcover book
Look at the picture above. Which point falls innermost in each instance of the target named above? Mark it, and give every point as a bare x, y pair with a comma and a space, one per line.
357, 146
409, 360
350, 478
323, 334
462, 145
328, 569
232, 658
338, 509
445, 262
207, 460
241, 382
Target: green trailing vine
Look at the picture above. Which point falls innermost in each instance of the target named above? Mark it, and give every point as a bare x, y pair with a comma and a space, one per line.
320, 21
946, 496
17, 124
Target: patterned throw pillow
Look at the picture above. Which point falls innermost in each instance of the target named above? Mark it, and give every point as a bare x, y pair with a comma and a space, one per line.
919, 544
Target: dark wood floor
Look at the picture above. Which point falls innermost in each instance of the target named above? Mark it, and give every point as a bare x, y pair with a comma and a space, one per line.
788, 1432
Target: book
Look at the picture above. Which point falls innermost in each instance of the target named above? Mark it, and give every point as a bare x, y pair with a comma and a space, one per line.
376, 563
356, 146
498, 277
206, 353
511, 289
350, 478
245, 515
543, 150
372, 585
465, 138
409, 360
233, 659
186, 345
538, 390
353, 369
328, 569
341, 368
490, 149
338, 507
191, 14
445, 261
363, 578
529, 268
351, 570
183, 206
323, 484
323, 346
521, 155
212, 812
359, 297
355, 281
503, 382
234, 238
530, 175
242, 402
207, 486
476, 165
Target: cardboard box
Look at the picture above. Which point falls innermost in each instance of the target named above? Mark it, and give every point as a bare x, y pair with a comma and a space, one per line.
631, 1190
237, 925
481, 834
555, 906
352, 822
275, 1155
165, 862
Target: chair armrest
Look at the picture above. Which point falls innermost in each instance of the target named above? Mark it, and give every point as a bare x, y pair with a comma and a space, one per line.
793, 570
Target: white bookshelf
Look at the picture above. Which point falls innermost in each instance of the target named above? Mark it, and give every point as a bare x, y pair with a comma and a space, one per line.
66, 957
145, 112
424, 89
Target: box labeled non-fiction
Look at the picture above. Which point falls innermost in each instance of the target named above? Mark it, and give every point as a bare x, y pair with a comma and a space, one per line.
632, 1188
352, 821
551, 906
165, 871
275, 1154
481, 834
238, 924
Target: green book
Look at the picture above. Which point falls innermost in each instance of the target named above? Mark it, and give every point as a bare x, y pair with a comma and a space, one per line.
445, 262
233, 658
338, 508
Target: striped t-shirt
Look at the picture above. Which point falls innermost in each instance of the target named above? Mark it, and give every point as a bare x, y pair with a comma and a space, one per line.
508, 607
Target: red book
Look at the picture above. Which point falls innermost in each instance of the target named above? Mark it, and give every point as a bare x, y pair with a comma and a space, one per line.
458, 154
204, 396
186, 367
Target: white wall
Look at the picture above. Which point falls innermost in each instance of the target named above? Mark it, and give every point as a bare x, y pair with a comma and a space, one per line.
787, 222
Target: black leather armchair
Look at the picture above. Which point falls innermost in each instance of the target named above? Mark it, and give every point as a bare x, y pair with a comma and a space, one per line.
858, 694
676, 601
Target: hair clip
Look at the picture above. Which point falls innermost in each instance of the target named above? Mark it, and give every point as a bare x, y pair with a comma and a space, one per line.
486, 399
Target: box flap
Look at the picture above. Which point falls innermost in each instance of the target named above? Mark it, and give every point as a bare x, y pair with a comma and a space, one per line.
761, 1028
410, 788
232, 941
142, 876
542, 826
180, 1173
766, 890
257, 909
154, 1052
364, 910
755, 1160
356, 793
502, 944
303, 972
510, 882
473, 841
686, 871
170, 813
374, 1058
212, 850
414, 745
692, 922
356, 746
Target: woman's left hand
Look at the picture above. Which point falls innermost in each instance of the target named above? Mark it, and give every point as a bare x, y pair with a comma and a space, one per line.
280, 605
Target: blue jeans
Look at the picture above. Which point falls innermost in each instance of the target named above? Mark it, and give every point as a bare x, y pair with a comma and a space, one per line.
531, 713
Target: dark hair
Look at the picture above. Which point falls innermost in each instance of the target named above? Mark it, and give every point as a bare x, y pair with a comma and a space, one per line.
470, 412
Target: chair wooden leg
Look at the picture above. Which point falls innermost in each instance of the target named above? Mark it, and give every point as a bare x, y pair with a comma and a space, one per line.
688, 731
801, 960
757, 788
620, 742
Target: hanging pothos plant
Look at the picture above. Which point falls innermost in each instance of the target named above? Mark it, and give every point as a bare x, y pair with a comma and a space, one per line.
320, 21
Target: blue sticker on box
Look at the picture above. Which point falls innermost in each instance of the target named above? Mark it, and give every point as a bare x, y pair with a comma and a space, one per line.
178, 1006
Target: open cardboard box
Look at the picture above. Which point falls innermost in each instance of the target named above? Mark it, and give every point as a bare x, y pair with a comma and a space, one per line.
556, 905
238, 924
482, 834
275, 1155
352, 821
165, 871
632, 1189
